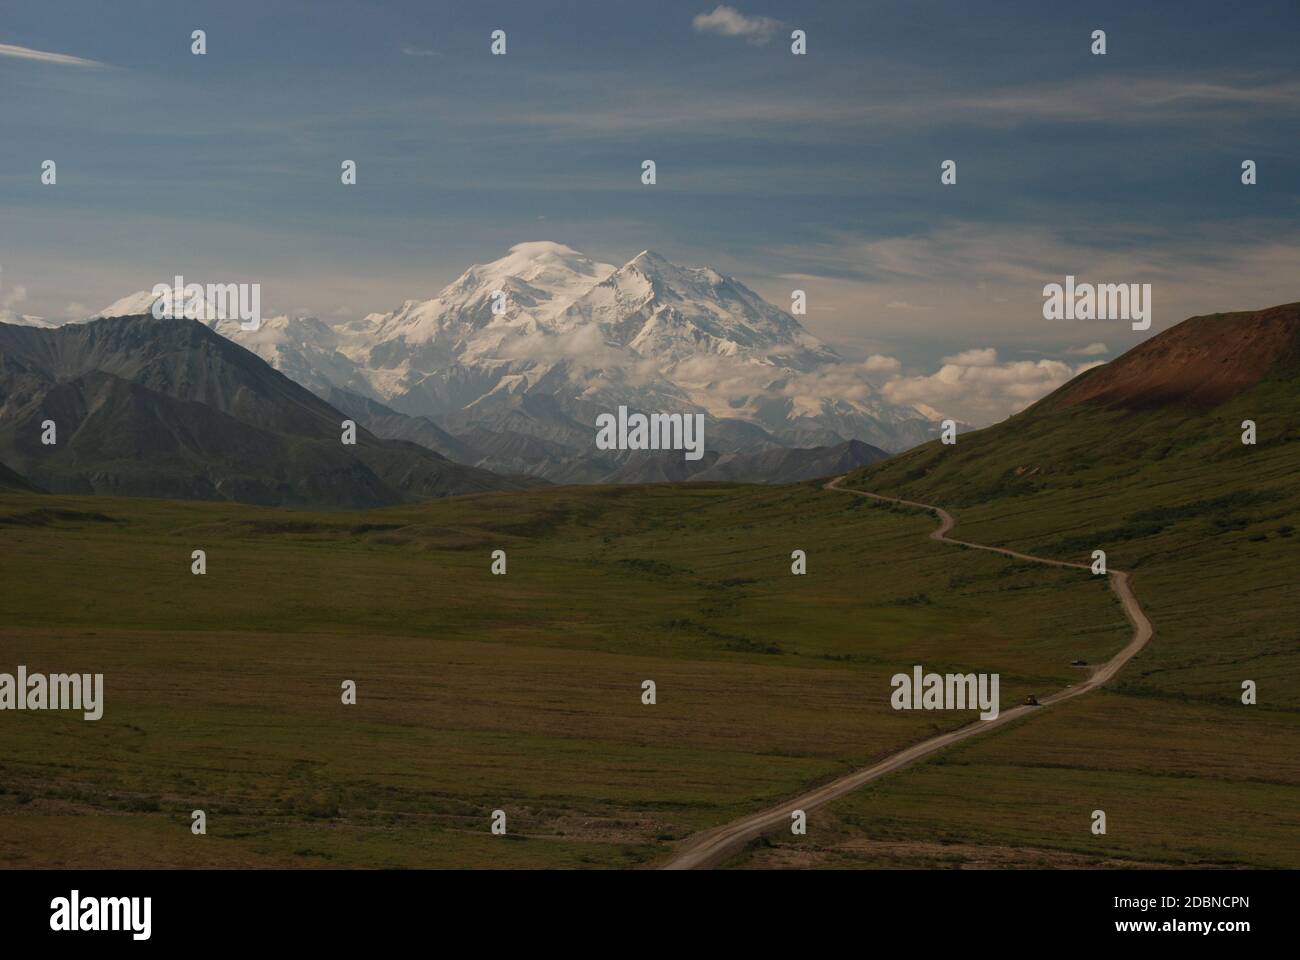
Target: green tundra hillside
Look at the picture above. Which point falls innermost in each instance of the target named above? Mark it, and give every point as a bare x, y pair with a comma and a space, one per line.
1142, 458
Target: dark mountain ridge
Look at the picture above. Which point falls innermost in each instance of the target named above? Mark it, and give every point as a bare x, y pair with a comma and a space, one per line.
148, 407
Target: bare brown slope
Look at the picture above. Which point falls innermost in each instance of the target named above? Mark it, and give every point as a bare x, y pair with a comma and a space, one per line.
1202, 362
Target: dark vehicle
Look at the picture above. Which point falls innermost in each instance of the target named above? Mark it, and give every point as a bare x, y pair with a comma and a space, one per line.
1031, 701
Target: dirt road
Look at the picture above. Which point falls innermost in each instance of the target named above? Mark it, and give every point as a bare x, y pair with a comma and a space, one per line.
711, 847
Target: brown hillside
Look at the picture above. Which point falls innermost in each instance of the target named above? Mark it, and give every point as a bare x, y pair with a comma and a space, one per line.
1202, 362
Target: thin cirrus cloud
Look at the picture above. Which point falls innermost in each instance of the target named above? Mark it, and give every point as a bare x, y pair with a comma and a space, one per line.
46, 56
1120, 100
730, 22
985, 357
990, 278
1090, 350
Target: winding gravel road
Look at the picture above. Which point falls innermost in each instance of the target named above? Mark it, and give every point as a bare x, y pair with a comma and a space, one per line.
711, 847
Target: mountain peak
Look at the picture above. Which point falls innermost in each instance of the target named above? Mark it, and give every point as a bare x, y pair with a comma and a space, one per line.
132, 305
653, 266
651, 263
27, 320
1202, 362
552, 267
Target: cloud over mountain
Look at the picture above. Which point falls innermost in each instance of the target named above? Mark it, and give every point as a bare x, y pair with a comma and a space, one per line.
984, 388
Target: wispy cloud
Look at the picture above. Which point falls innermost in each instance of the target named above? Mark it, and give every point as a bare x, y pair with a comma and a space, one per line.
1121, 99
730, 22
1091, 350
12, 296
45, 56
984, 357
921, 103
419, 52
986, 280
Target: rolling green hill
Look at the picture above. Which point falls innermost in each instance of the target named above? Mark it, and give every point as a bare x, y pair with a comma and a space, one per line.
1163, 484
1142, 458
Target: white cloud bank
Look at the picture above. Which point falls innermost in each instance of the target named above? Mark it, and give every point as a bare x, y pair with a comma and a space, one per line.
973, 386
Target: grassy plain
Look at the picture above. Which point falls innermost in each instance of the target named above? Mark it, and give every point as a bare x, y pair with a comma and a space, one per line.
478, 692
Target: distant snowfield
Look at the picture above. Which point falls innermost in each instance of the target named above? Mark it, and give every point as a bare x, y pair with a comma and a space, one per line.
547, 321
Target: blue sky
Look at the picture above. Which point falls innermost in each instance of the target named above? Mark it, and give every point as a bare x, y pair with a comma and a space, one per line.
819, 171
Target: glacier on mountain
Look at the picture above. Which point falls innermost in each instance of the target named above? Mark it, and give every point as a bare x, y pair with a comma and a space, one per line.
541, 341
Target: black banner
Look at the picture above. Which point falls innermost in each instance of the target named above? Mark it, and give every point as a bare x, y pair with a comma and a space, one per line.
206, 909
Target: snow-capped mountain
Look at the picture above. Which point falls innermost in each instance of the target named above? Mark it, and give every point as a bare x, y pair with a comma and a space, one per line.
677, 314
538, 343
26, 320
538, 280
132, 305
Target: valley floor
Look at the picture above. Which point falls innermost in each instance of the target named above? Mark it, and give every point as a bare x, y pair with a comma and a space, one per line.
522, 692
